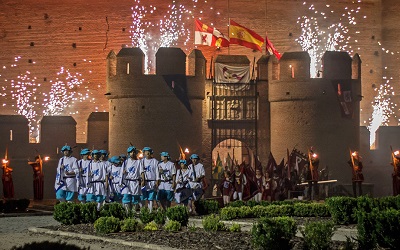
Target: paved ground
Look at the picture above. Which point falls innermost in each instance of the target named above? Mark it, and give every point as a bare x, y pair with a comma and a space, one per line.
14, 232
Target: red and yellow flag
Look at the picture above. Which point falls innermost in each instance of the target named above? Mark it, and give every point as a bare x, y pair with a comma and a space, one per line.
206, 35
271, 49
244, 36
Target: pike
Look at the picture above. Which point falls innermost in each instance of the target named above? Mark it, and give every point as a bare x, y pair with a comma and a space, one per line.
394, 160
311, 165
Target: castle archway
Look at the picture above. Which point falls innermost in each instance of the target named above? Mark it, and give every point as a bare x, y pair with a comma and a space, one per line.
225, 156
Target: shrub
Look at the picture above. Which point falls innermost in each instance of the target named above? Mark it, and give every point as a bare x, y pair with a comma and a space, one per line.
129, 225
105, 225
310, 210
67, 213
342, 209
204, 207
235, 227
10, 206
260, 211
145, 215
113, 209
151, 226
229, 213
273, 233
213, 223
387, 228
366, 237
172, 226
89, 213
252, 203
159, 216
178, 213
366, 204
237, 203
318, 235
389, 202
245, 212
279, 210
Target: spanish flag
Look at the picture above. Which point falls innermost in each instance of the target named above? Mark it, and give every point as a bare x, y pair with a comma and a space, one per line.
244, 36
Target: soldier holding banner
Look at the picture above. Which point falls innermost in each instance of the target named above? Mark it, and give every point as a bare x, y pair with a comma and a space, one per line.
312, 175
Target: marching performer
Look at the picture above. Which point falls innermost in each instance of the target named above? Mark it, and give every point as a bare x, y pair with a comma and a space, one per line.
358, 177
67, 169
166, 183
151, 176
83, 165
239, 181
196, 182
114, 179
183, 192
131, 179
96, 180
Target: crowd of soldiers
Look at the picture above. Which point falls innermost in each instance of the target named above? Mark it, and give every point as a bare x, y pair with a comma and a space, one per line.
133, 181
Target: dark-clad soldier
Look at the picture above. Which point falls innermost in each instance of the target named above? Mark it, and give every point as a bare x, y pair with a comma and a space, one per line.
356, 165
396, 173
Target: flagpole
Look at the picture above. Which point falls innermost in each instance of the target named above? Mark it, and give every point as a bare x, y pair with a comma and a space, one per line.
229, 22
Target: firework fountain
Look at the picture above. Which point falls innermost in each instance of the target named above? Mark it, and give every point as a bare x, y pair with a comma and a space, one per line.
336, 37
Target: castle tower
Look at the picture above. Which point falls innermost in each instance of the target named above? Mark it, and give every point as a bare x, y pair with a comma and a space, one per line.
161, 111
320, 112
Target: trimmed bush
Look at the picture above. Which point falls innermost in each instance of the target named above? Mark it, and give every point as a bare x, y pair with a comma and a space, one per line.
387, 228
310, 210
172, 226
178, 213
342, 209
213, 223
389, 202
159, 216
67, 213
89, 213
105, 225
129, 225
235, 227
229, 213
366, 237
273, 233
260, 211
151, 226
245, 212
318, 235
113, 209
279, 210
237, 203
204, 207
145, 215
252, 203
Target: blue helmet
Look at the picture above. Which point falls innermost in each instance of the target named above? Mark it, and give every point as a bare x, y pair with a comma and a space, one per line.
130, 149
95, 152
103, 152
115, 159
148, 149
66, 148
122, 156
194, 156
164, 154
183, 161
85, 151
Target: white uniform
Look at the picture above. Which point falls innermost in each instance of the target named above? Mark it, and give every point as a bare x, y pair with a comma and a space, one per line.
96, 178
130, 181
81, 177
63, 181
167, 170
151, 174
182, 181
196, 172
115, 178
